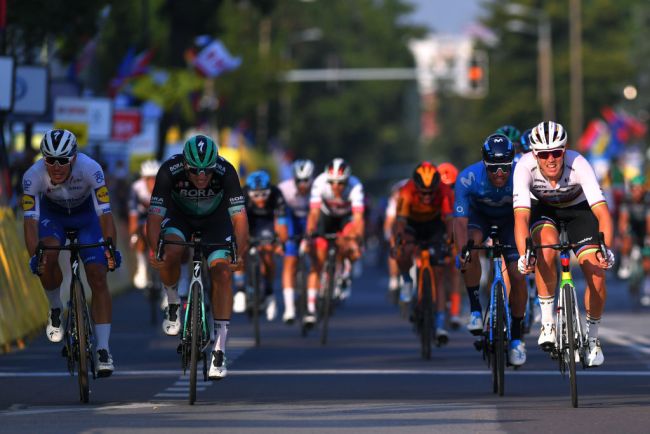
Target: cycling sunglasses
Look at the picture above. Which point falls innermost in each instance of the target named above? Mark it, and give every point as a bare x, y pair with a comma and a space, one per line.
259, 194
556, 153
197, 171
337, 182
61, 161
495, 167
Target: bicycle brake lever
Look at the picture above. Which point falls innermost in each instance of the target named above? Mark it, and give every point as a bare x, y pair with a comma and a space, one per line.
159, 250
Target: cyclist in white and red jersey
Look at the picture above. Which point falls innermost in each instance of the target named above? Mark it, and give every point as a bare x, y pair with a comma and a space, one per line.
67, 190
567, 189
336, 205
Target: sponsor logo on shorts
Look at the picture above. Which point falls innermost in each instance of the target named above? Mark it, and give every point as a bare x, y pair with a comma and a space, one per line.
102, 194
28, 202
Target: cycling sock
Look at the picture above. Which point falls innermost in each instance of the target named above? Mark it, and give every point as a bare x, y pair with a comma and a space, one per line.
546, 305
407, 277
474, 301
393, 283
312, 294
288, 294
515, 329
454, 308
141, 260
184, 280
54, 297
440, 320
221, 332
102, 332
592, 327
172, 293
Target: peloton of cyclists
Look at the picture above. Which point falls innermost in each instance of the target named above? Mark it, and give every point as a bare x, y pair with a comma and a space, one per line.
484, 198
67, 190
567, 190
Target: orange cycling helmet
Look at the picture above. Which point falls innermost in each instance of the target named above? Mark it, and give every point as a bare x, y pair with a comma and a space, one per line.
448, 173
426, 177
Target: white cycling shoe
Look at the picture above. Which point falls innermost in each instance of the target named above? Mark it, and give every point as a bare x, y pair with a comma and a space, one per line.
218, 368
104, 363
594, 356
172, 322
239, 302
517, 353
475, 323
270, 307
547, 337
54, 329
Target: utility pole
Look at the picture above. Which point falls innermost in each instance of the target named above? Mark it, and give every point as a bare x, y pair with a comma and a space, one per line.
575, 44
264, 50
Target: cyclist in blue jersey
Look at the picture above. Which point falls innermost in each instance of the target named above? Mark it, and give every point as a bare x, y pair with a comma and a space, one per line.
67, 190
296, 194
484, 198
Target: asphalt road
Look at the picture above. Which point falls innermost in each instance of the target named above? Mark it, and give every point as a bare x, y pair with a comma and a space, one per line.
368, 379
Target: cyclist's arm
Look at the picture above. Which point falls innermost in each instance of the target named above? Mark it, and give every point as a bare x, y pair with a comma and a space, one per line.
522, 179
624, 220
133, 224
153, 229
281, 229
460, 232
107, 224
358, 223
30, 228
605, 223
312, 219
281, 216
357, 198
240, 227
522, 229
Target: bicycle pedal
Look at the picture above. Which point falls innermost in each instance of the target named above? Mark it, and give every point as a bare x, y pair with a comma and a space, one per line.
104, 374
548, 347
442, 340
478, 345
476, 332
179, 349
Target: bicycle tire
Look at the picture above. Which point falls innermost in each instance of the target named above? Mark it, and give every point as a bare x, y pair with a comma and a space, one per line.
327, 299
500, 341
256, 299
196, 342
569, 308
426, 314
301, 286
82, 341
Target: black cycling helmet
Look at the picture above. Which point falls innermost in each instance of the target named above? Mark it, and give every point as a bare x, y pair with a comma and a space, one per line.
498, 149
524, 141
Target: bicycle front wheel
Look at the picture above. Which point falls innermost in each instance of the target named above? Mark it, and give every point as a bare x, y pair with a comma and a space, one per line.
571, 346
82, 340
426, 313
195, 318
499, 336
327, 300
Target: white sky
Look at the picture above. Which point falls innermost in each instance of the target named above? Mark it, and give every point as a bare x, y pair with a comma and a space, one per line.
446, 16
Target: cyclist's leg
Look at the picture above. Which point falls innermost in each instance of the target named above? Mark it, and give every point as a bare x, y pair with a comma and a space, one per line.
477, 227
295, 227
404, 259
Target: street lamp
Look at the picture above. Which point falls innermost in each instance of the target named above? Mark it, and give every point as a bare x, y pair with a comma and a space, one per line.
545, 87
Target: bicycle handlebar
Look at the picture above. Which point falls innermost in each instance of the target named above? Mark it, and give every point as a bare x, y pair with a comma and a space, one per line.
531, 248
467, 248
232, 246
108, 244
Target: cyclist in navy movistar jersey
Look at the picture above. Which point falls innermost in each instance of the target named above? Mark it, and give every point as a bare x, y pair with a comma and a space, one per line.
267, 220
296, 194
484, 198
67, 190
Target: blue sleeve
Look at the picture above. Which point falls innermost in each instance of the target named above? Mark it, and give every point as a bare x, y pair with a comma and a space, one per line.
463, 185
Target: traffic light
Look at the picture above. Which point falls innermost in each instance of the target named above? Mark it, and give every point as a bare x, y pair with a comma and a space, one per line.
477, 74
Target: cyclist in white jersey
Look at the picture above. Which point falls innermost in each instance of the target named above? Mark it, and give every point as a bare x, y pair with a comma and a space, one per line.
567, 189
138, 206
66, 190
296, 195
336, 205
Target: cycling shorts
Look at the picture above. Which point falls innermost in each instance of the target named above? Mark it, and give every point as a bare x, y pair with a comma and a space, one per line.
581, 223
214, 228
506, 231
296, 227
85, 220
330, 225
433, 231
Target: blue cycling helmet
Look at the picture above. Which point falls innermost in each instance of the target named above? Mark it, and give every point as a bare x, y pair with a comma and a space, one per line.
524, 141
510, 132
498, 149
258, 180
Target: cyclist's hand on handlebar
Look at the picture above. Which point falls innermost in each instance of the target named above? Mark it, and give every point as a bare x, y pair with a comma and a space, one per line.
523, 266
154, 262
461, 261
238, 265
115, 261
606, 262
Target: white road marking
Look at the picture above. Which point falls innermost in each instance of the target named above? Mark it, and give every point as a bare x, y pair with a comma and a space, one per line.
20, 411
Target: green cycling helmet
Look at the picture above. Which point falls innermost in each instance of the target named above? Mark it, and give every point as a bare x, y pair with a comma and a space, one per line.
638, 180
510, 132
200, 152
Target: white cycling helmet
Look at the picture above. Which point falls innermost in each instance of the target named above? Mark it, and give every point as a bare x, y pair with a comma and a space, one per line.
337, 170
59, 143
547, 136
303, 169
149, 168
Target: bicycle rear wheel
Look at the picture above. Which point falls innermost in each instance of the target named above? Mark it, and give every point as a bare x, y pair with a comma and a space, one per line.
570, 347
327, 299
500, 342
426, 313
82, 340
256, 277
301, 287
195, 319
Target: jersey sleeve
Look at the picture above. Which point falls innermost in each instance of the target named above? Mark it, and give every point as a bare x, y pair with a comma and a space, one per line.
589, 182
95, 178
316, 194
522, 179
357, 198
447, 202
403, 203
31, 200
233, 194
161, 195
280, 207
462, 193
